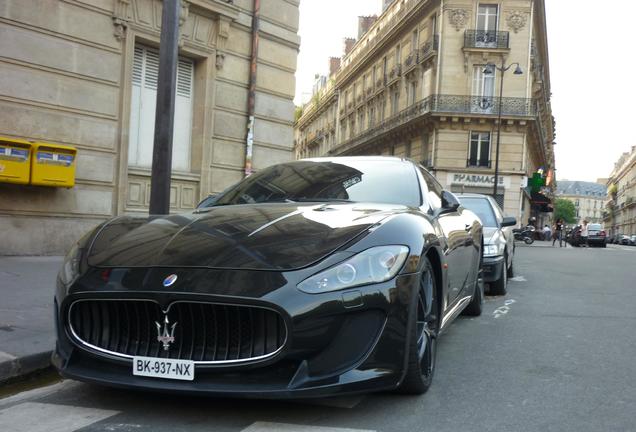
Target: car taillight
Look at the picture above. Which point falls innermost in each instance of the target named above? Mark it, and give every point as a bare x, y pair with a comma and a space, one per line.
602, 233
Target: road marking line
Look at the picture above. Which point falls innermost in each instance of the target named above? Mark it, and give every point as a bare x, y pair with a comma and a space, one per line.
503, 310
38, 392
284, 427
41, 417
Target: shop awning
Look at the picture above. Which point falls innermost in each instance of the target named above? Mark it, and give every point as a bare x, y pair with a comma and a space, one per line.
539, 198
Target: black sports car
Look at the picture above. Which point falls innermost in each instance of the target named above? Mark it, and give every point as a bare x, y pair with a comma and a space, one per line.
309, 278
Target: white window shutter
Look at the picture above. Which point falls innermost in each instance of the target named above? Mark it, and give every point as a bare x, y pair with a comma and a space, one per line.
143, 105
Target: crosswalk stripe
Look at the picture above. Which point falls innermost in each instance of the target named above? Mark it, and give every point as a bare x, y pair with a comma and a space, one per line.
284, 427
41, 417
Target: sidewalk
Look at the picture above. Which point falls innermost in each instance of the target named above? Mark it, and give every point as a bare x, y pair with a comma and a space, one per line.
27, 337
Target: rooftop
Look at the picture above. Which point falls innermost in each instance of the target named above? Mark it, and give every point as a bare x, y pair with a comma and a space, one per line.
581, 188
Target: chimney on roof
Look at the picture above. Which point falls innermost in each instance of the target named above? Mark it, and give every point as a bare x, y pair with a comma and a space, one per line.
348, 45
334, 65
365, 23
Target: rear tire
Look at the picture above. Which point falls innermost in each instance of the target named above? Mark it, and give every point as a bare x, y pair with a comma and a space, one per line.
475, 306
500, 286
528, 240
422, 337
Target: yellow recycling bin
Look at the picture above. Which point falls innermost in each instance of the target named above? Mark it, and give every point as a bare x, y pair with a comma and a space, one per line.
53, 165
15, 160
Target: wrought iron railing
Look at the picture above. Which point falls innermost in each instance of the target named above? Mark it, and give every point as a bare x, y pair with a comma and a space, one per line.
430, 47
482, 105
486, 39
443, 104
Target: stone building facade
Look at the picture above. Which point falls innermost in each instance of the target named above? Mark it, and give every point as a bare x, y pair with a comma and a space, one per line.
417, 84
620, 212
588, 199
83, 73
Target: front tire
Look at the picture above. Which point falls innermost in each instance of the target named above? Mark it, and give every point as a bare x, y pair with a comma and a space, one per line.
500, 286
422, 337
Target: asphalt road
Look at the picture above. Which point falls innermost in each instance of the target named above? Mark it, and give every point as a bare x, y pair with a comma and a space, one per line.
556, 354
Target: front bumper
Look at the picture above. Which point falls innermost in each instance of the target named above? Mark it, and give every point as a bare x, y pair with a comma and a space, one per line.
493, 268
338, 343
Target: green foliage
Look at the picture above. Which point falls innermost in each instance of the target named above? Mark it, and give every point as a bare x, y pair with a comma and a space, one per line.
564, 209
298, 112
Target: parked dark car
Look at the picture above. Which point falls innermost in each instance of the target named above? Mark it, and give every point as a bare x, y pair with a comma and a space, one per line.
624, 240
309, 278
499, 242
573, 235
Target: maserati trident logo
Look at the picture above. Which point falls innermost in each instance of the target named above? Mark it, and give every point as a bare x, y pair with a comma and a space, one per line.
165, 335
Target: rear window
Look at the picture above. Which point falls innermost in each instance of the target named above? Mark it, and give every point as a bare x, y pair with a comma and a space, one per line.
594, 227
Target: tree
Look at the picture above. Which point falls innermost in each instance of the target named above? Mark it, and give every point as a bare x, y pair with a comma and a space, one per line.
564, 209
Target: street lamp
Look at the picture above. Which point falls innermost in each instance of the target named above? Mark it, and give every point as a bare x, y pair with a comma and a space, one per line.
490, 67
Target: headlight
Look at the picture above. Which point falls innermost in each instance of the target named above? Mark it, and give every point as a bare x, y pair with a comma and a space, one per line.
373, 265
495, 246
70, 268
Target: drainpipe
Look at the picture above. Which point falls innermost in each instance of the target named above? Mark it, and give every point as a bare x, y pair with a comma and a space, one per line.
251, 95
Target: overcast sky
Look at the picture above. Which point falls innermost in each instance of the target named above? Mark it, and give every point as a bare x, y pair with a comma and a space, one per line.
592, 65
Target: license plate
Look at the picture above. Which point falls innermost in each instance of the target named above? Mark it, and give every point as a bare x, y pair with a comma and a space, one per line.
163, 368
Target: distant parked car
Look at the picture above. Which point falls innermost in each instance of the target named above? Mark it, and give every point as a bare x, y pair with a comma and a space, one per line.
499, 243
596, 235
624, 240
632, 240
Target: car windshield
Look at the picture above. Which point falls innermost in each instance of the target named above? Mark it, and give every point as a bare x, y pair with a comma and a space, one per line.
389, 182
482, 208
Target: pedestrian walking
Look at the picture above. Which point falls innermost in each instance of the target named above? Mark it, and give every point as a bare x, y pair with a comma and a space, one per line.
558, 232
584, 235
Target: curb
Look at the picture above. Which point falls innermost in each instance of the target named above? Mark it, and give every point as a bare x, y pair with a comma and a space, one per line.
20, 367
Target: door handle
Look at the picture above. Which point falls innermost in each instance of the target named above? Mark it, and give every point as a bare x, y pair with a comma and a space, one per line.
468, 227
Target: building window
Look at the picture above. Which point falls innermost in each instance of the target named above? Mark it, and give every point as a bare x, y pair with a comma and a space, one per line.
395, 100
371, 116
398, 54
483, 90
412, 92
143, 104
479, 152
487, 24
414, 40
487, 17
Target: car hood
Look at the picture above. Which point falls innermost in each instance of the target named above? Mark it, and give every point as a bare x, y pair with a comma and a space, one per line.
250, 236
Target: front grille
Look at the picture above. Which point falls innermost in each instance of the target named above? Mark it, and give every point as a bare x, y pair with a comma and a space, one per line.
204, 332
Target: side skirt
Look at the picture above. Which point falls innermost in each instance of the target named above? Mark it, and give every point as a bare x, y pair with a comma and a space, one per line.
453, 312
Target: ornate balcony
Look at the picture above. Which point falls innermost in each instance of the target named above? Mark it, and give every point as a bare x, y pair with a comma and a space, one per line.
482, 105
394, 74
487, 39
410, 62
428, 50
442, 104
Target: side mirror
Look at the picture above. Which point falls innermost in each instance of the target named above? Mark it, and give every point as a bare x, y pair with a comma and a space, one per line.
508, 221
450, 203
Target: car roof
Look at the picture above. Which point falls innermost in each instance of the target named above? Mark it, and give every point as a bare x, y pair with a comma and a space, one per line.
359, 158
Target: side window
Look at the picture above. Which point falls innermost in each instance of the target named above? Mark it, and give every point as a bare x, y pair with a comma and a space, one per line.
433, 192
